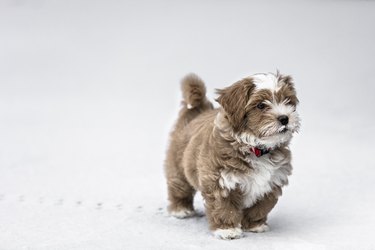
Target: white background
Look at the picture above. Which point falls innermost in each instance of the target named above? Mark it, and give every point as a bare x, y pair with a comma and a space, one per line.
90, 89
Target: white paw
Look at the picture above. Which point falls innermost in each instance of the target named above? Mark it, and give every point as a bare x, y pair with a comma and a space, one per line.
228, 234
182, 213
259, 229
189, 106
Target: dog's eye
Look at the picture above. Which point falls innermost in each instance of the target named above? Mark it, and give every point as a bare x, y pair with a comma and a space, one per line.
289, 101
261, 105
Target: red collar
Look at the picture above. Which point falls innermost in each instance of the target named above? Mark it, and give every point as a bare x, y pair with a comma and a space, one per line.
259, 152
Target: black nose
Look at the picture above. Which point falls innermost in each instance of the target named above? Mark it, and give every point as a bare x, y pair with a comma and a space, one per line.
283, 119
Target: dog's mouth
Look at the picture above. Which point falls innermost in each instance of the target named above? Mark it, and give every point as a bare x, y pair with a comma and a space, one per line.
283, 130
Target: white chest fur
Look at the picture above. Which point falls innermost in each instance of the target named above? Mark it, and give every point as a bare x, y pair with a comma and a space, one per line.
268, 171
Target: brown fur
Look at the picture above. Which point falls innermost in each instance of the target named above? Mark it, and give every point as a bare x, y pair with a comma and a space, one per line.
202, 145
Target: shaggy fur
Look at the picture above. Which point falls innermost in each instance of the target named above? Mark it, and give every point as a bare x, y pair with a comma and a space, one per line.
210, 151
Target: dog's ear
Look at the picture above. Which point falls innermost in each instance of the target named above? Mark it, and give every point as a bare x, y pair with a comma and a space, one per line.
234, 99
285, 79
290, 91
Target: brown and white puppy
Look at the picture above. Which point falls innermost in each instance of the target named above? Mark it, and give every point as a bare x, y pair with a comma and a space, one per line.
237, 156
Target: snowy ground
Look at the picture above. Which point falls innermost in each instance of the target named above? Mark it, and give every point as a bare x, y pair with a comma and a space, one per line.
89, 91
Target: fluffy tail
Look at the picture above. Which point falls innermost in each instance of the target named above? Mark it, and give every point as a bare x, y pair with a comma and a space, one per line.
195, 101
194, 92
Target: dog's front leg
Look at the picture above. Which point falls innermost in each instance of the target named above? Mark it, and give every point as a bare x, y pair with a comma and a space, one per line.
255, 217
224, 212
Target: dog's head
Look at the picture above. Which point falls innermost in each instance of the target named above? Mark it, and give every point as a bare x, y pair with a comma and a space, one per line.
261, 109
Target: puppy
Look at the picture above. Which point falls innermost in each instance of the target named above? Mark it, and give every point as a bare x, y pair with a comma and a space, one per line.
237, 156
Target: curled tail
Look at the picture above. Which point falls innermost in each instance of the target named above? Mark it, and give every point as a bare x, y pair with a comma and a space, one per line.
194, 98
194, 92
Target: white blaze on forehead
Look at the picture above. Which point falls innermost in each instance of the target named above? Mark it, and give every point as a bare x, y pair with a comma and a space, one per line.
266, 81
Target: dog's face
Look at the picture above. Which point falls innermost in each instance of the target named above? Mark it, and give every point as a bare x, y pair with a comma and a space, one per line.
261, 109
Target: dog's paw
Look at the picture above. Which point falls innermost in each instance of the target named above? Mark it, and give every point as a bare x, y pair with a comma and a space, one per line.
182, 214
228, 234
259, 228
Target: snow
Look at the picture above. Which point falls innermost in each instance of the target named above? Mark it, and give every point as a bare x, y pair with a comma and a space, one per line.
89, 91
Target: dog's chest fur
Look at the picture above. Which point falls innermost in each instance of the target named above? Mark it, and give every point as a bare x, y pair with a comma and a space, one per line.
267, 173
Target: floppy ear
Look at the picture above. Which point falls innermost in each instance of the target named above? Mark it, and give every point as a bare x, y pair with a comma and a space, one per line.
287, 80
234, 99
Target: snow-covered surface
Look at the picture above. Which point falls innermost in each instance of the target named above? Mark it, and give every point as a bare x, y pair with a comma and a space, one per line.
89, 91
